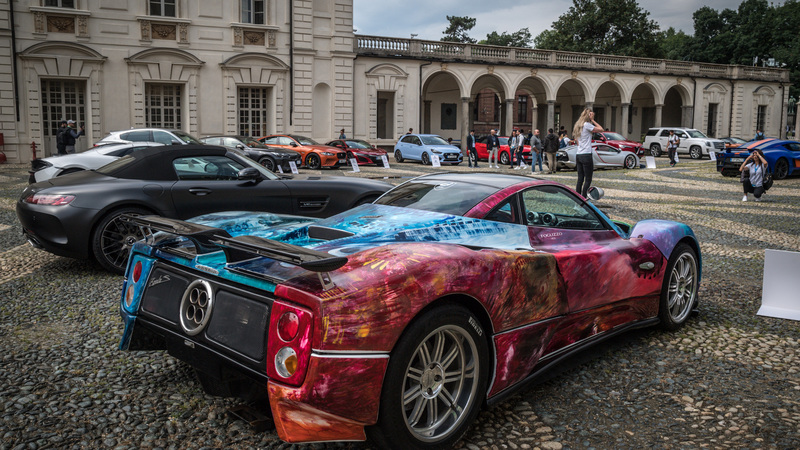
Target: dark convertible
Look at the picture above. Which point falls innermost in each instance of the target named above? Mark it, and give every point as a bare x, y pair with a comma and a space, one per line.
77, 215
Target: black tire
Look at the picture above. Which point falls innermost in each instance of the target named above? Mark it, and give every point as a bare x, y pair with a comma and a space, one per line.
630, 162
398, 156
505, 159
268, 163
313, 162
730, 173
679, 291
112, 239
695, 152
781, 170
404, 420
655, 150
426, 160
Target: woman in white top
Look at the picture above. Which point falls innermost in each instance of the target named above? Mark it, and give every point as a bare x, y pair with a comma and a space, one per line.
582, 132
756, 165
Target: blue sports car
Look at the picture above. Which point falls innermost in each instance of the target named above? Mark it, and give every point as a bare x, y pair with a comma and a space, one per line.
422, 147
782, 155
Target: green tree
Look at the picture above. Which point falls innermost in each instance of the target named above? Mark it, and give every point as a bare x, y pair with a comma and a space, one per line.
674, 45
785, 41
458, 28
616, 27
521, 38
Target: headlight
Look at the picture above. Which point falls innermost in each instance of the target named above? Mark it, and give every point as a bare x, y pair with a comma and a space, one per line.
561, 153
709, 144
328, 153
434, 150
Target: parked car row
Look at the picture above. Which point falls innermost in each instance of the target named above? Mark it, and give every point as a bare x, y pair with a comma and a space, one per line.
783, 157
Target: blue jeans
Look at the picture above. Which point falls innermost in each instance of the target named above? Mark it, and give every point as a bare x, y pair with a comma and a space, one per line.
536, 157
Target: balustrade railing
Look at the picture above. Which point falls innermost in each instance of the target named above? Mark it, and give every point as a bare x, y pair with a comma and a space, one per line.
416, 48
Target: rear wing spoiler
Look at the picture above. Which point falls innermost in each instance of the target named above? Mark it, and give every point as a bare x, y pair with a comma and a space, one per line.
240, 248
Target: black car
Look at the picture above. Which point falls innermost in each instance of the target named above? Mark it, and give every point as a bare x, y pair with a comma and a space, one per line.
78, 215
269, 157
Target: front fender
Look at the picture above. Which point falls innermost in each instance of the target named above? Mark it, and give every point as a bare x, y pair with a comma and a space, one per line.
665, 235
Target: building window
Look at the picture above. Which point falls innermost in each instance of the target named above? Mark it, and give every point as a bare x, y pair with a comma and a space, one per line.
449, 118
62, 100
60, 3
253, 12
522, 109
164, 8
711, 131
253, 111
163, 106
761, 117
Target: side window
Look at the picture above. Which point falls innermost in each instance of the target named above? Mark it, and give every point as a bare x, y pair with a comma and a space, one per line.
793, 146
137, 136
598, 137
682, 135
664, 133
283, 140
230, 142
416, 141
219, 168
506, 212
271, 140
163, 137
555, 207
212, 141
408, 139
607, 149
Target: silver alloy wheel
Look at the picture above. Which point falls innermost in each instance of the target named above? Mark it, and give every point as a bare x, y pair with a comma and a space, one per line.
440, 382
630, 162
682, 288
655, 150
695, 152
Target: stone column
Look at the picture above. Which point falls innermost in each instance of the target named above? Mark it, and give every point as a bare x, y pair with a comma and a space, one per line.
534, 117
624, 129
509, 118
686, 116
464, 124
659, 108
551, 119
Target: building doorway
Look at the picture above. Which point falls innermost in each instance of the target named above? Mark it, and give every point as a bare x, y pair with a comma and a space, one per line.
62, 100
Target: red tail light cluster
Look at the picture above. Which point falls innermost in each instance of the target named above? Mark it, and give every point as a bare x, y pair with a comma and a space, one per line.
289, 343
49, 199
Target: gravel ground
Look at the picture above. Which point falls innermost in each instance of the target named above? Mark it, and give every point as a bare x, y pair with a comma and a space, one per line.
729, 379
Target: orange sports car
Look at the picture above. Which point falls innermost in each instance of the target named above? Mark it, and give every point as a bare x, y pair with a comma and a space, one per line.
313, 155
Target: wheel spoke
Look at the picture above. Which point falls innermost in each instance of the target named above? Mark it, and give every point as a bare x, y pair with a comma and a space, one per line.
438, 347
451, 356
412, 394
419, 408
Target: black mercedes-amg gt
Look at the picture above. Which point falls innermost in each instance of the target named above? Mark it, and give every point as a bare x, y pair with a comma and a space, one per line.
78, 215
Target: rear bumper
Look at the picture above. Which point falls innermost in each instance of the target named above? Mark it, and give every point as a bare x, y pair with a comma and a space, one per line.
65, 233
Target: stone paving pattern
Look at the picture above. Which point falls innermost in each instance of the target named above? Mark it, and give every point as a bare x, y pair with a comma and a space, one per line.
728, 379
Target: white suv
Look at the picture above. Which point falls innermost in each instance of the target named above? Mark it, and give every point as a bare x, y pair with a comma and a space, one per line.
693, 142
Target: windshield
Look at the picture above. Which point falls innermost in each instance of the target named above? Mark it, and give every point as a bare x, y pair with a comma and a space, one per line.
187, 137
304, 140
358, 144
438, 196
615, 137
433, 140
696, 134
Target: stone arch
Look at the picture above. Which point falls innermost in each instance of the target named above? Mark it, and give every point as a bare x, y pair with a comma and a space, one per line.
63, 61
641, 110
164, 65
676, 107
255, 71
487, 94
386, 93
539, 109
322, 116
441, 105
764, 111
608, 105
572, 96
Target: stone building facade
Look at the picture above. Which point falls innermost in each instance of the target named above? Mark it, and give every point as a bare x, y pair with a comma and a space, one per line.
256, 67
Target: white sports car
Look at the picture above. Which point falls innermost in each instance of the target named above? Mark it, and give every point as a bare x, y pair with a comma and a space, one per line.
603, 156
93, 158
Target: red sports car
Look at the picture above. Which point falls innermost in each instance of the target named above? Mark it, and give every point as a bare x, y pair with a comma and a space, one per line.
362, 151
313, 154
504, 155
617, 140
398, 320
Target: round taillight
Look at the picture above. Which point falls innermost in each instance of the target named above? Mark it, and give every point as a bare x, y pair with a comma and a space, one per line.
286, 362
288, 325
129, 296
137, 271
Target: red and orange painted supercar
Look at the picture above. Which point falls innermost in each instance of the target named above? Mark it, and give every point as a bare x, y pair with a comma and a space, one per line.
397, 321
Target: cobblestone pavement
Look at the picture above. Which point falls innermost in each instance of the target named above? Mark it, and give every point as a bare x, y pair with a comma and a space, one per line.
729, 379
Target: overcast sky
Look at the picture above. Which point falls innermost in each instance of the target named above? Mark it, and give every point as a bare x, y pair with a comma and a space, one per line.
428, 18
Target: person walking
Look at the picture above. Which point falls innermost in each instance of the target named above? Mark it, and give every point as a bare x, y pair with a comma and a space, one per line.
512, 148
536, 152
61, 146
493, 146
672, 147
550, 149
756, 165
341, 134
520, 149
70, 136
582, 131
472, 152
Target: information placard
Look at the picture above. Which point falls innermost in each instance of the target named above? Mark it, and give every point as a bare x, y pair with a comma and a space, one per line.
354, 164
651, 162
385, 161
435, 161
293, 166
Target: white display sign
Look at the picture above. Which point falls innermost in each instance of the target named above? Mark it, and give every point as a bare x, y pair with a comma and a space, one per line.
713, 155
385, 161
293, 166
779, 293
280, 169
435, 161
354, 163
651, 162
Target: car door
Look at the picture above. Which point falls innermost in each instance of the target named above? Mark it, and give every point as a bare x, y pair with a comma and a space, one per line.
606, 278
209, 184
606, 155
683, 145
410, 146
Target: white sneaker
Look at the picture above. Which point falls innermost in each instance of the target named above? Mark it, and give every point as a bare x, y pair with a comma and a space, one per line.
744, 199
518, 167
524, 165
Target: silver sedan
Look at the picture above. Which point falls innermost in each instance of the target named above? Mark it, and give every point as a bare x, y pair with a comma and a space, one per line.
602, 155
93, 158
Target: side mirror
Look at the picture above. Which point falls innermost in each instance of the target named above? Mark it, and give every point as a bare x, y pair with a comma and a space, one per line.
294, 144
596, 193
249, 174
176, 142
240, 146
